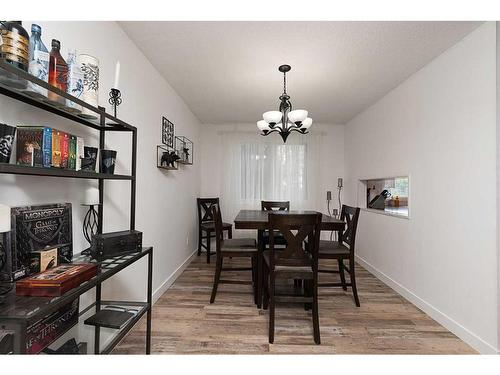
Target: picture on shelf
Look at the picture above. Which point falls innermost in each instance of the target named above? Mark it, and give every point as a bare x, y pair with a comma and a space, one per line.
167, 132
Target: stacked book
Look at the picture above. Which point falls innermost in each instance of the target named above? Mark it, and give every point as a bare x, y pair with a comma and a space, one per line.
41, 146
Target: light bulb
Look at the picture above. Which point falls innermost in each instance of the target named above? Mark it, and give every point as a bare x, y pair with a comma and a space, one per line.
272, 117
306, 124
297, 115
263, 125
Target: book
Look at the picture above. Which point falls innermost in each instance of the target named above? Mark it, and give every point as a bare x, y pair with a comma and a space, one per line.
56, 148
47, 147
29, 145
56, 281
114, 317
64, 150
79, 152
72, 152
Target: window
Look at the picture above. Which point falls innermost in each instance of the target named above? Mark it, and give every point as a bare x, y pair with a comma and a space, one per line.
398, 187
273, 172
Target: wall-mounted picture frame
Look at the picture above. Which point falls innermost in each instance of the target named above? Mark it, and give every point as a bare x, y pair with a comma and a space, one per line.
167, 132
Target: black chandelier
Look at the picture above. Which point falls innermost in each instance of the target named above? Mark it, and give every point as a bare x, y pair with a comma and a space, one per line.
285, 120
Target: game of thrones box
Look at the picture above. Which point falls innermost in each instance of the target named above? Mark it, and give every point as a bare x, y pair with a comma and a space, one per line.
36, 228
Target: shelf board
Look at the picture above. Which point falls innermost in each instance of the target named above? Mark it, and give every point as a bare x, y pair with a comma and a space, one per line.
167, 168
57, 172
12, 80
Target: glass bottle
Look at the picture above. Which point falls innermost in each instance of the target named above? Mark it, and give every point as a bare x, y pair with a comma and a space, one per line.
75, 81
58, 73
14, 50
38, 61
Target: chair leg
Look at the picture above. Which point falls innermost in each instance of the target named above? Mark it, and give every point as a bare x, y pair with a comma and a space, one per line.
265, 288
230, 233
260, 279
254, 278
342, 274
199, 241
271, 308
307, 293
315, 312
208, 246
218, 269
353, 283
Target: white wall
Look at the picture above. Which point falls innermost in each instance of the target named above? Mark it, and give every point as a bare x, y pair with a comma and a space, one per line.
331, 155
439, 128
166, 208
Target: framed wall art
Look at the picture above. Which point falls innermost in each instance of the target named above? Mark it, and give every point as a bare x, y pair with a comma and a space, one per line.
167, 132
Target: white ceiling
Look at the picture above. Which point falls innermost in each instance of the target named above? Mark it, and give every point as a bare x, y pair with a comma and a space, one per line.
227, 72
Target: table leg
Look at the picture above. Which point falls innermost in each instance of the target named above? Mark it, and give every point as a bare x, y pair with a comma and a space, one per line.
260, 273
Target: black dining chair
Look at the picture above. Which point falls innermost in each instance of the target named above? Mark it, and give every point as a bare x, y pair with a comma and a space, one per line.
293, 263
206, 224
342, 250
232, 248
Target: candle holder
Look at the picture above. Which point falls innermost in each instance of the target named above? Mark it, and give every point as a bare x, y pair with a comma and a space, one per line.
115, 99
90, 225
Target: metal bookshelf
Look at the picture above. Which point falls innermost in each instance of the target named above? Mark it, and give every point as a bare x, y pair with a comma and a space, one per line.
12, 84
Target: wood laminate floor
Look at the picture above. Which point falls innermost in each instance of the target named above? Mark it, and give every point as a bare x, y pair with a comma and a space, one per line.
184, 322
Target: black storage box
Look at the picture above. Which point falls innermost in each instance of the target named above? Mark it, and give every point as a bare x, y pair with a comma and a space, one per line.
108, 245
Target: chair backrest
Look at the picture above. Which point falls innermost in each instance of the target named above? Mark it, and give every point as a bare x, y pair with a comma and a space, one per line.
295, 228
205, 209
216, 214
275, 206
350, 215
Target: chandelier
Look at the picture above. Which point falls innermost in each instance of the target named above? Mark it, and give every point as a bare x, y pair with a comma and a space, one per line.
284, 120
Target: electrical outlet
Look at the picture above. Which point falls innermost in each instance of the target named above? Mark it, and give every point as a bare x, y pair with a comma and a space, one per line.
187, 240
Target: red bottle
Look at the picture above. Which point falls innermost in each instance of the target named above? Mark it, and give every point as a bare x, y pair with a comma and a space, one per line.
58, 72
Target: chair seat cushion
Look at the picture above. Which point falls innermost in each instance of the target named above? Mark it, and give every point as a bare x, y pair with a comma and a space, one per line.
290, 269
239, 244
210, 225
333, 248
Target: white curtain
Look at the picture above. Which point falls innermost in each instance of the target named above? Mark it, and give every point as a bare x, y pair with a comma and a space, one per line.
264, 168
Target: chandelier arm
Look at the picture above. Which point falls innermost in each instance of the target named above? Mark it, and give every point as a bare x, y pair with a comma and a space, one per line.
300, 130
277, 130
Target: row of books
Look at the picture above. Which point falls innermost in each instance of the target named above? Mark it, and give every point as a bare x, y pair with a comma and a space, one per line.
41, 146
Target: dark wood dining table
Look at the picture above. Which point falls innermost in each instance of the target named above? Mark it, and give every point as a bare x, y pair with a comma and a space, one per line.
259, 220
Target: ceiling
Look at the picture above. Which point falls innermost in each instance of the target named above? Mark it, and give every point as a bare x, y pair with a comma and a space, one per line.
227, 72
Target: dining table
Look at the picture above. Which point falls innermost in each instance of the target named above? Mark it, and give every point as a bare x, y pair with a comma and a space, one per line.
259, 220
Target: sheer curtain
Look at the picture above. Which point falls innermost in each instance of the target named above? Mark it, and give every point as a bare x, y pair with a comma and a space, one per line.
264, 168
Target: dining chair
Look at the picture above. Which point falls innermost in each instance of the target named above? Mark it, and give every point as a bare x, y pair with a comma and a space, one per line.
274, 206
342, 250
232, 248
293, 263
206, 224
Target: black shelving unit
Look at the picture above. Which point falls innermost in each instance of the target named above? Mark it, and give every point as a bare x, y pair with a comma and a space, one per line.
17, 313
103, 123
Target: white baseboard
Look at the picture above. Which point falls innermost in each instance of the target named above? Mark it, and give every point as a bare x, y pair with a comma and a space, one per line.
171, 279
463, 333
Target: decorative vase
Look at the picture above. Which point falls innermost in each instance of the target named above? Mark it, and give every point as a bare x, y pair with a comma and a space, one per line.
75, 82
108, 161
90, 69
39, 62
89, 159
7, 134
